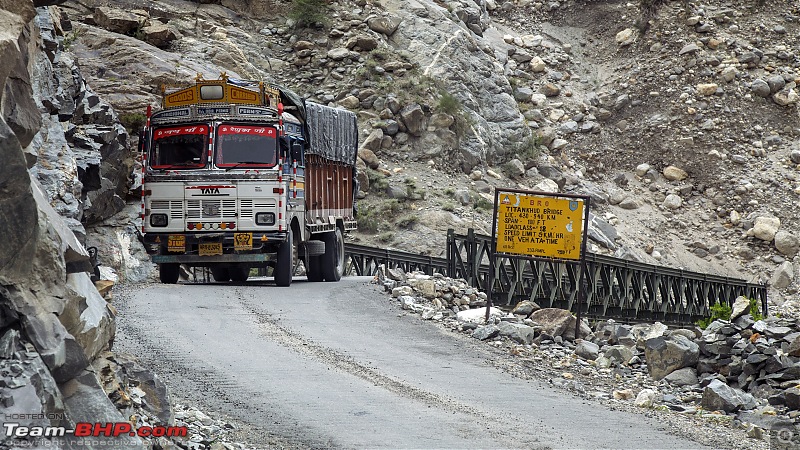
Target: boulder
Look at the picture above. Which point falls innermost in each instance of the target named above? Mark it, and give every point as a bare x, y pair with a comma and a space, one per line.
587, 350
414, 119
160, 34
673, 173
485, 332
783, 275
765, 228
641, 333
517, 332
554, 321
665, 355
718, 396
740, 306
619, 353
384, 25
116, 20
683, 377
787, 243
368, 156
525, 308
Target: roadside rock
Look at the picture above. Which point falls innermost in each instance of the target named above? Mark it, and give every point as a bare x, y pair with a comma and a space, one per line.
665, 355
718, 396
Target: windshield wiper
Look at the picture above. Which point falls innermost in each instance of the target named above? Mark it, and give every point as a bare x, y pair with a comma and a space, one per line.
242, 163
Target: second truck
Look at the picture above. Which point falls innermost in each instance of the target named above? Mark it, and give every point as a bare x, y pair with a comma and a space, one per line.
245, 174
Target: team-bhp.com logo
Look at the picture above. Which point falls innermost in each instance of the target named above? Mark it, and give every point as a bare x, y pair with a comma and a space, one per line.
88, 429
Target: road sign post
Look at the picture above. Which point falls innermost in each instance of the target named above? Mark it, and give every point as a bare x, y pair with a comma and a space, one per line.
539, 225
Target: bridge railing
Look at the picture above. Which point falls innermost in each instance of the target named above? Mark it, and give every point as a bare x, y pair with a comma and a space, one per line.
614, 287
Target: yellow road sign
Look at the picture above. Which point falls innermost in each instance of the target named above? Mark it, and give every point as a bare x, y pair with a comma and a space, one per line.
538, 225
176, 243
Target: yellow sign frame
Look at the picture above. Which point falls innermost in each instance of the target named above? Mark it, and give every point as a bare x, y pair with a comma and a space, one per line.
539, 225
209, 248
242, 241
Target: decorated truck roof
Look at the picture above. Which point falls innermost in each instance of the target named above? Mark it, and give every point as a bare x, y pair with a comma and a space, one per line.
332, 132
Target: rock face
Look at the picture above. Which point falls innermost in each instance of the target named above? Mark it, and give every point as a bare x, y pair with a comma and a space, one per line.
45, 291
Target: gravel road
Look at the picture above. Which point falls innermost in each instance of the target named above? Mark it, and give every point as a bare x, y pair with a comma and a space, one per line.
335, 365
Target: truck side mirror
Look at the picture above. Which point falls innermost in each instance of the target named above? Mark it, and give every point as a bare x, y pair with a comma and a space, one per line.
297, 152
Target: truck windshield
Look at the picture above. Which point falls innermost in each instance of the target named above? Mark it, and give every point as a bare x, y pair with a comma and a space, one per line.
179, 147
245, 146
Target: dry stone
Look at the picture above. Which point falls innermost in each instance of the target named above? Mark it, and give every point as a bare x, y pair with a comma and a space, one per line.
665, 355
718, 396
765, 228
554, 321
673, 173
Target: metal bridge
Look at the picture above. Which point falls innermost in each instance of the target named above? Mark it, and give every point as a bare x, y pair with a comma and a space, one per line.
614, 288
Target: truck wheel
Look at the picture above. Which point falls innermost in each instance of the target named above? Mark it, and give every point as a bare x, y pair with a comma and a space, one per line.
333, 259
314, 268
285, 262
168, 273
239, 274
221, 274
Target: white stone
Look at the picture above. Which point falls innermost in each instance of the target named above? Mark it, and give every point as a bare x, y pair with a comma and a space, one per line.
764, 228
642, 169
626, 37
646, 398
673, 173
673, 201
478, 315
546, 185
538, 65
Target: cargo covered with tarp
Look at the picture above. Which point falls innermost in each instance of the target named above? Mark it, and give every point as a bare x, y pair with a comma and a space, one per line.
332, 133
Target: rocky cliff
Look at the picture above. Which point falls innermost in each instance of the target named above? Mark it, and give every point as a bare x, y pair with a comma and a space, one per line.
65, 164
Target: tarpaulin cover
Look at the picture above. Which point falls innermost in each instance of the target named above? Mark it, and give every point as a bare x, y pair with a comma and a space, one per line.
333, 133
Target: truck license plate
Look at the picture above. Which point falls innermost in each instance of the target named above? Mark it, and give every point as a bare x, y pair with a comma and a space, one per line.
243, 241
176, 243
210, 249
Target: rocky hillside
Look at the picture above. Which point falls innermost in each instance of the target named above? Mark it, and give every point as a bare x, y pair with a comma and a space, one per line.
679, 120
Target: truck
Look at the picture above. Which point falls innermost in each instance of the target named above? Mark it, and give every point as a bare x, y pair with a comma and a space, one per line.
242, 174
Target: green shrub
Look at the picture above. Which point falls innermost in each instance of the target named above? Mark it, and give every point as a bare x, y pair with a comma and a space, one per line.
481, 203
448, 104
449, 206
377, 182
370, 218
408, 222
529, 149
755, 310
718, 311
307, 13
133, 122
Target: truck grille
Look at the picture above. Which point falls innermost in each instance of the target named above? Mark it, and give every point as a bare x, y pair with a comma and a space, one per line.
211, 209
248, 206
172, 207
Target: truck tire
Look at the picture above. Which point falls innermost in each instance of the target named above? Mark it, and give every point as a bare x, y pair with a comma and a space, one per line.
333, 259
314, 247
221, 274
284, 262
239, 274
314, 268
169, 273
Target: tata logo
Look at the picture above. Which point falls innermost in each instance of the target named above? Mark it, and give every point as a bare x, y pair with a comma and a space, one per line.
209, 191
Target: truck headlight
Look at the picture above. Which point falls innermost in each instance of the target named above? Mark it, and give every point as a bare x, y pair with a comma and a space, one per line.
265, 218
158, 220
